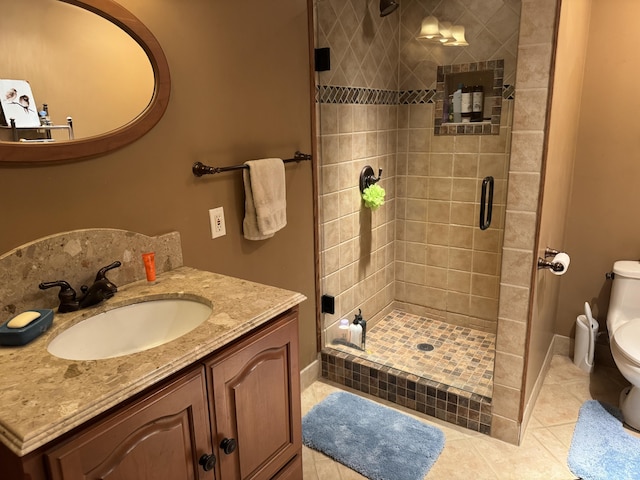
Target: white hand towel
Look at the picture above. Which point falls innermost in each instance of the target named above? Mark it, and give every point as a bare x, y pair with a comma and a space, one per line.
265, 203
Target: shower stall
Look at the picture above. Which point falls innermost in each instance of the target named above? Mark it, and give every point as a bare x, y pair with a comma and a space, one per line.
420, 268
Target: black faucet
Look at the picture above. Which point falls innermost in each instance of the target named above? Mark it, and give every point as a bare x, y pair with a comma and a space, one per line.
67, 295
101, 289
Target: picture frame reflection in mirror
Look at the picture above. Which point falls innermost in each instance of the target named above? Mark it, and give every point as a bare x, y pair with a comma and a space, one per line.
18, 103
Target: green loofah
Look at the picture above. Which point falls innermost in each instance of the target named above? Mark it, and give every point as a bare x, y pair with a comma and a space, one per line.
373, 196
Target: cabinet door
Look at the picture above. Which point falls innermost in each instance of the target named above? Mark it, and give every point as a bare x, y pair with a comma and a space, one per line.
293, 471
256, 402
160, 437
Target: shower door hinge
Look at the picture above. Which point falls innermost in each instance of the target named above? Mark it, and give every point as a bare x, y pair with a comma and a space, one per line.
322, 59
328, 304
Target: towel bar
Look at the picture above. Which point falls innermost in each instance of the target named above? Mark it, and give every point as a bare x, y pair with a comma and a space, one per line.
199, 169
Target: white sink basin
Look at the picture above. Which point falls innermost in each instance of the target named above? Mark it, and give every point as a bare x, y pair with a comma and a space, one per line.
129, 329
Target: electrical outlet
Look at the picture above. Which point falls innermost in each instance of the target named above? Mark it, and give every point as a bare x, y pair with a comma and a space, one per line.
216, 217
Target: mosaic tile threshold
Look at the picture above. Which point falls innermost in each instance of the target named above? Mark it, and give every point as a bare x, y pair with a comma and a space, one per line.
451, 381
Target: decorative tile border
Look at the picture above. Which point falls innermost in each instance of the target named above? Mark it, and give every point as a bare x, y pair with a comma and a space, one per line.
414, 97
508, 92
369, 96
355, 95
435, 399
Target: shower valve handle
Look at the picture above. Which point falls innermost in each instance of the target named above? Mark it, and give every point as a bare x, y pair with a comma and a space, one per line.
367, 178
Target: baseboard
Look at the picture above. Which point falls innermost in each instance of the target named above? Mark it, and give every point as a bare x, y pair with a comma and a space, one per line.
563, 345
559, 345
310, 374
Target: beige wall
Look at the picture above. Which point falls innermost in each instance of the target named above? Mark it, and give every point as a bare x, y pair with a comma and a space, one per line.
603, 225
240, 90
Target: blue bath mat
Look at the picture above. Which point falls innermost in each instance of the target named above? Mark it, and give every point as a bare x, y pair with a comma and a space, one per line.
374, 440
601, 449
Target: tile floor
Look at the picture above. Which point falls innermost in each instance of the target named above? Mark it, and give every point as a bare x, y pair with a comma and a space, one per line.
469, 454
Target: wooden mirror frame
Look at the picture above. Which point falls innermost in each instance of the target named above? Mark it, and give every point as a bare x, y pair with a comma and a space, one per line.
17, 153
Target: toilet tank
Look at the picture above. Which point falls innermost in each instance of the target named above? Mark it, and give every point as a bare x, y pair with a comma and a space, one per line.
625, 294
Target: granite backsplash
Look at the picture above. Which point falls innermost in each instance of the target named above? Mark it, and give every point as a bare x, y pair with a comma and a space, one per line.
76, 257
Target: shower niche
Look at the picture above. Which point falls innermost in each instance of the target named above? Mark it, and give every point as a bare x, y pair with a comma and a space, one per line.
490, 76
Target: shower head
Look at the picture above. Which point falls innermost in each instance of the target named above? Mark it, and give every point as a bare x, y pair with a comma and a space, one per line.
387, 6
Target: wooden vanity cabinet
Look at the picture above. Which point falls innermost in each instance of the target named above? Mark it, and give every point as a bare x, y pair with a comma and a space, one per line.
255, 403
160, 437
241, 405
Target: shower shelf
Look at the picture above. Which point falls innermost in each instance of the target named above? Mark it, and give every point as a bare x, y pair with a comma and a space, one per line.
484, 122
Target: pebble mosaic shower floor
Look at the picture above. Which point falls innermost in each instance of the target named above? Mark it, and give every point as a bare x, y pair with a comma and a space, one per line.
434, 367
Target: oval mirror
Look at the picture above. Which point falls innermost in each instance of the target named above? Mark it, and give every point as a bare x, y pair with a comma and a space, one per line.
89, 60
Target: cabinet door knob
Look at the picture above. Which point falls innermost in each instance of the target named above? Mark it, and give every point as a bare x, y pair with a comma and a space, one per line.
207, 462
228, 445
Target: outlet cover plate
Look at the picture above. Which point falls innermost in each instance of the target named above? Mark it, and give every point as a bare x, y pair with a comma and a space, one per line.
216, 219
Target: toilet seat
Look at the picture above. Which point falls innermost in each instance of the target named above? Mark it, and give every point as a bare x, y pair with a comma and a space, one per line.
627, 338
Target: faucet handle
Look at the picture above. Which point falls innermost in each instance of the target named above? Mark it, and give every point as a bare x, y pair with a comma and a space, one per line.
101, 275
67, 295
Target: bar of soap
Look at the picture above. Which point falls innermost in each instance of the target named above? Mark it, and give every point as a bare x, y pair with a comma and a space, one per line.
25, 327
23, 319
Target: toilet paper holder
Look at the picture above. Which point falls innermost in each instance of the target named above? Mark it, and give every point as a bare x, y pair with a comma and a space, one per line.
551, 252
555, 266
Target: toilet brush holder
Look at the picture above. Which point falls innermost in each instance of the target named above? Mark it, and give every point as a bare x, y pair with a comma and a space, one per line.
585, 340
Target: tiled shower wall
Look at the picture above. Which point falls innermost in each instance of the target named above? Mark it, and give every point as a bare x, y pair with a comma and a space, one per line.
446, 267
491, 28
357, 244
535, 54
358, 126
375, 108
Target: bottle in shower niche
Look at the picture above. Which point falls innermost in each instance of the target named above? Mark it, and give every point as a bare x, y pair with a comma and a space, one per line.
457, 105
445, 110
466, 104
343, 332
477, 103
450, 117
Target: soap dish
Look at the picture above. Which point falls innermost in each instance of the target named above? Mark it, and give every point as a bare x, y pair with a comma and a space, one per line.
13, 337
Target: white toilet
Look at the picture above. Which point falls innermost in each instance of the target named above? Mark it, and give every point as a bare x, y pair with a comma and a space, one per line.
623, 322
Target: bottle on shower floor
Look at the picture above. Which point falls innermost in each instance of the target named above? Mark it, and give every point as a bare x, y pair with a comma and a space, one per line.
358, 320
343, 332
355, 330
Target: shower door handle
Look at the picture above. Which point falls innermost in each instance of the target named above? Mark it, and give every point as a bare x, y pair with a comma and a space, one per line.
486, 203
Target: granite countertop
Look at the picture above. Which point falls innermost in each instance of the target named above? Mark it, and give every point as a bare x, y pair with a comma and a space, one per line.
43, 396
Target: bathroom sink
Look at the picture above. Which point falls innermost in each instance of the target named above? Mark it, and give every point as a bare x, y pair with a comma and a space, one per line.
129, 329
